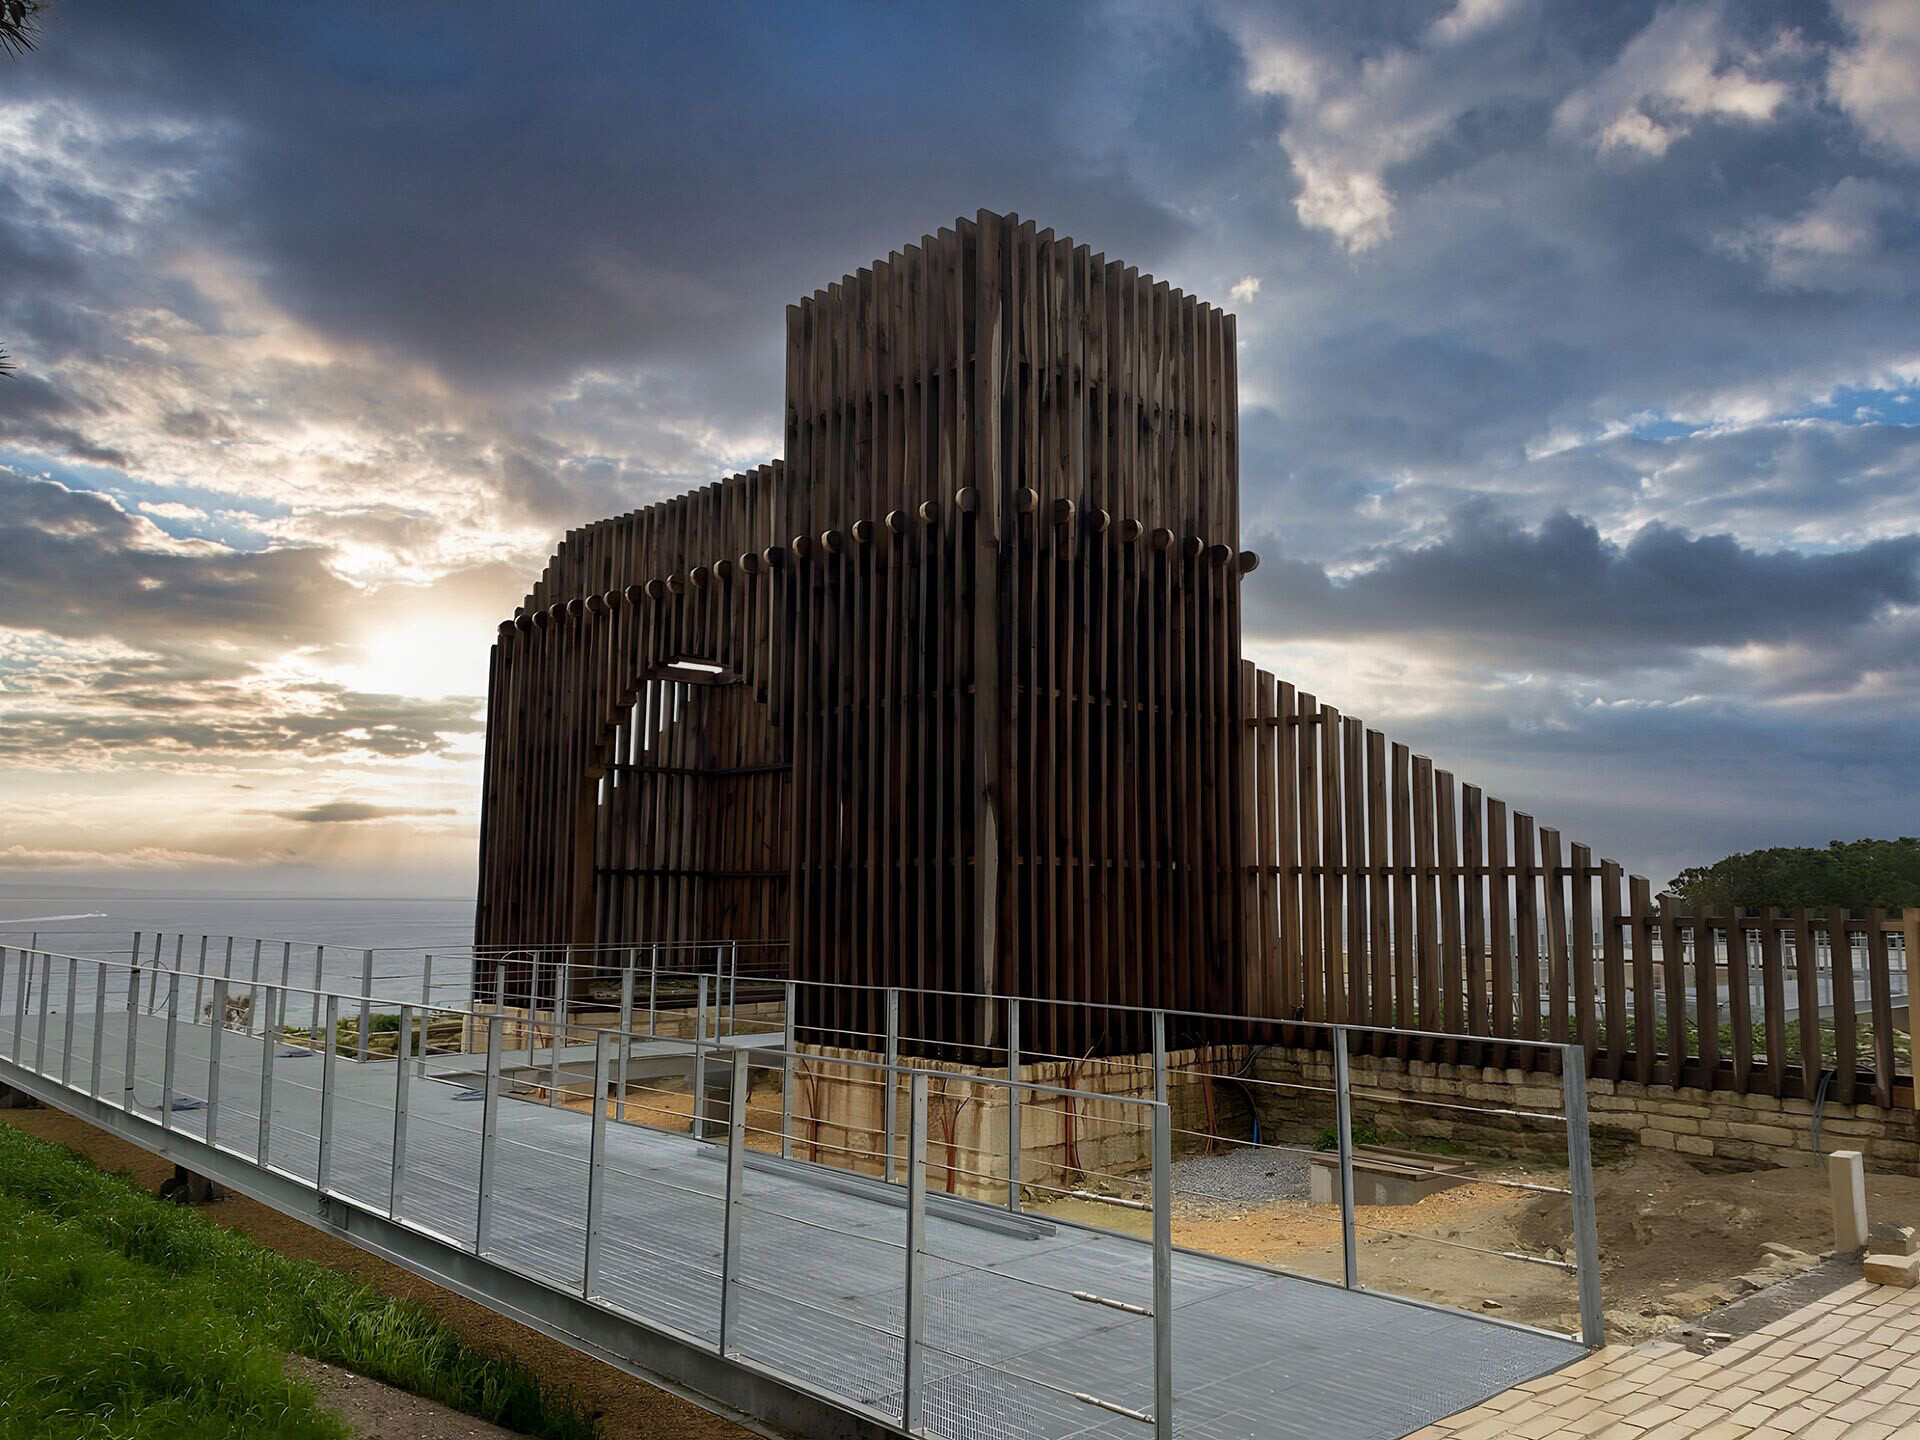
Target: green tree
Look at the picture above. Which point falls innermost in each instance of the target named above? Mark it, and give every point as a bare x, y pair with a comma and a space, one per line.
20, 24
1848, 874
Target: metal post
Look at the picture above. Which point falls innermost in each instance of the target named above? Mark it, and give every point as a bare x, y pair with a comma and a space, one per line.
700, 1062
200, 978
319, 982
136, 949
20, 1003
489, 1129
286, 976
46, 1004
887, 1118
3, 976
275, 1006
133, 1025
402, 1073
213, 1059
253, 985
596, 1167
562, 981
66, 1051
1343, 1120
166, 1064
226, 963
733, 988
323, 1169
914, 1381
736, 1171
366, 1003
533, 1005
1162, 1272
626, 1037
1160, 1056
653, 989
426, 983
99, 1027
1586, 1233
1013, 1102
786, 1074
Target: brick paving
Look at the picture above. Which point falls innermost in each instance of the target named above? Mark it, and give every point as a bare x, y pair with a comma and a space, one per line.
1846, 1365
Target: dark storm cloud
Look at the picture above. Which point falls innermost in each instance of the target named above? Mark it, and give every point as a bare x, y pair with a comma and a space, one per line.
1563, 597
354, 812
515, 201
79, 566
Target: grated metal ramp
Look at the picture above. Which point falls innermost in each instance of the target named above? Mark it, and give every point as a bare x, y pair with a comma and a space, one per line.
820, 1274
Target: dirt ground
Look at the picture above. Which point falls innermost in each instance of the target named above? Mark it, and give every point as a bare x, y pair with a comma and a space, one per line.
380, 1412
629, 1408
1675, 1241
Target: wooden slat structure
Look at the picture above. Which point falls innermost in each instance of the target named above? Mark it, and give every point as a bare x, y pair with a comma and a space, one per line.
951, 699
945, 699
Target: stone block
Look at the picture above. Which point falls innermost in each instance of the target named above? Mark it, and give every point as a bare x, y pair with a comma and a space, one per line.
1887, 1238
1678, 1124
1902, 1271
1762, 1134
1658, 1139
1693, 1144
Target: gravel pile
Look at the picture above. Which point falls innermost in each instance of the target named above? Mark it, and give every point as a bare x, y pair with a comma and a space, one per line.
1239, 1176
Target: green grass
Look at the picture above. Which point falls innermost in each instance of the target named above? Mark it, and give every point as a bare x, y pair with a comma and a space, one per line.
123, 1315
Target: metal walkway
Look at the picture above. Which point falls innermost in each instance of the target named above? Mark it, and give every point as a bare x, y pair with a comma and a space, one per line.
798, 1300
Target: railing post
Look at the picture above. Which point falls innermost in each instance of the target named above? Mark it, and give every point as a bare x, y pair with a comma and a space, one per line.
214, 1036
426, 983
20, 1004
366, 1004
254, 978
563, 982
626, 1038
489, 1134
1160, 1056
166, 1063
323, 1166
1586, 1232
499, 998
319, 984
733, 988
914, 1379
99, 1027
1162, 1272
596, 1165
46, 1004
653, 989
1013, 1102
271, 1012
133, 1028
887, 1118
736, 1172
199, 978
66, 1052
792, 1030
402, 1075
700, 1061
1343, 1121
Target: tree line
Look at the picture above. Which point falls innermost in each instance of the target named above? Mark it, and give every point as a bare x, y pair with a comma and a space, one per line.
1848, 874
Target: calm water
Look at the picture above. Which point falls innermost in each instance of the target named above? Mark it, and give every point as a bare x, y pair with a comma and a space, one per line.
302, 937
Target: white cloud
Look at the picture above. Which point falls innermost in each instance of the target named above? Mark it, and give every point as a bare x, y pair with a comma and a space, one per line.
1350, 119
1835, 244
1684, 67
172, 510
1245, 288
1877, 81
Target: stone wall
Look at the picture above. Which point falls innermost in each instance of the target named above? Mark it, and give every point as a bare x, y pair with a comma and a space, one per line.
1412, 1098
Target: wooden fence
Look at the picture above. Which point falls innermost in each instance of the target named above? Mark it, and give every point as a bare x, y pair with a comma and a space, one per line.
1383, 892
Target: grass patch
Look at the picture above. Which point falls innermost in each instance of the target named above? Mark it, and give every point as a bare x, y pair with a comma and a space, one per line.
124, 1315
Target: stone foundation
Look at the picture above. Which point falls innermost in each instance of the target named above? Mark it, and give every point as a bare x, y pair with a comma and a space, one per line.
1705, 1126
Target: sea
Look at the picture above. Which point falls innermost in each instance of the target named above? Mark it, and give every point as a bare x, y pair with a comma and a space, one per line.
307, 939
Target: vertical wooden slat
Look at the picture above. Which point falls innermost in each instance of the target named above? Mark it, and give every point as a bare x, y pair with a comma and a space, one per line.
1774, 1001
1739, 1001
1846, 1055
1880, 989
1645, 1007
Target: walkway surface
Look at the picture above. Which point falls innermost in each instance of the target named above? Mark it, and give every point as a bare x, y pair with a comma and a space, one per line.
820, 1274
1845, 1367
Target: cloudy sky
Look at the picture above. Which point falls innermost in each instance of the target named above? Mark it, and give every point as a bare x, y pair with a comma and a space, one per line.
1580, 374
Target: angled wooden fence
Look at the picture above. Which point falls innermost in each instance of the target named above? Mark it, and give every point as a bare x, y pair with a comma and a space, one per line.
1383, 892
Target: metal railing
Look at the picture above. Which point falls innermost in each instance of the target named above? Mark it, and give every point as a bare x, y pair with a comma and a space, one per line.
241, 1038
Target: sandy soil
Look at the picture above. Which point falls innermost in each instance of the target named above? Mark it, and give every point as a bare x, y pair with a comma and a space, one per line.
380, 1412
1674, 1240
629, 1408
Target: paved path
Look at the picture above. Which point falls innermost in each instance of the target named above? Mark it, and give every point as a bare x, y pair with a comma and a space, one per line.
1845, 1367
